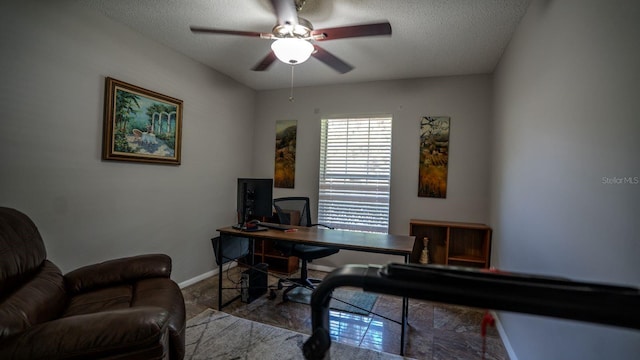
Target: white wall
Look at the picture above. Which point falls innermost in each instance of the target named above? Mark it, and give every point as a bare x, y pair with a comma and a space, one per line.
466, 99
566, 116
55, 57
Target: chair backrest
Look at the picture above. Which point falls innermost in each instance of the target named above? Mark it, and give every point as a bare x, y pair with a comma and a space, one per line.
293, 210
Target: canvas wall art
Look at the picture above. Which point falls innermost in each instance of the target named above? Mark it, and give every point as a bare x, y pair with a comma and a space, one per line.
434, 156
141, 125
285, 163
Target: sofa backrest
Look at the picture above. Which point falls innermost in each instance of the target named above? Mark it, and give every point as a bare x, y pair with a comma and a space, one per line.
22, 251
31, 287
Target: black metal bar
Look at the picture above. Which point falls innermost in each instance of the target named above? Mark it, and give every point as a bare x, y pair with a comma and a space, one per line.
405, 316
220, 262
252, 252
220, 270
229, 302
583, 301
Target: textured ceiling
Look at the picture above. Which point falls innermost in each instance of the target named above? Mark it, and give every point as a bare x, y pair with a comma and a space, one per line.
430, 37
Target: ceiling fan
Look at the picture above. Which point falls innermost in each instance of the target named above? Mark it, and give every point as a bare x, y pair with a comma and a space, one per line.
295, 37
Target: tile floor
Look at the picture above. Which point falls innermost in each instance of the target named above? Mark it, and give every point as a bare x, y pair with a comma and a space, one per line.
436, 331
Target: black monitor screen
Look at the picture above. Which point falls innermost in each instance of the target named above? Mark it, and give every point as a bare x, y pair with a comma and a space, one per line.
255, 197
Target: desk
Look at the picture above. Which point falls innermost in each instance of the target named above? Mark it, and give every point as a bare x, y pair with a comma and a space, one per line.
401, 245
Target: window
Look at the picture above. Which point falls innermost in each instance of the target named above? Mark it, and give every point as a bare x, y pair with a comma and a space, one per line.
355, 173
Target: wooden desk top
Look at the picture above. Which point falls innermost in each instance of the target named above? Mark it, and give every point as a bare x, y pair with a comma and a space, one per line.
456, 224
348, 240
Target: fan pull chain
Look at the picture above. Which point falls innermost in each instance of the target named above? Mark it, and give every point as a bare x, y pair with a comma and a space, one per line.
291, 99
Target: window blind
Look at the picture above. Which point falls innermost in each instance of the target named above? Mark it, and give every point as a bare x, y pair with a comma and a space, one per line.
355, 173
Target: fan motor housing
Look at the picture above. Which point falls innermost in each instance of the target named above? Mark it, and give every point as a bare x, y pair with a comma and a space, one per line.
301, 30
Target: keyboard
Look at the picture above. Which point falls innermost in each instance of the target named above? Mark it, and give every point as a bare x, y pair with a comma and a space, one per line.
275, 226
251, 229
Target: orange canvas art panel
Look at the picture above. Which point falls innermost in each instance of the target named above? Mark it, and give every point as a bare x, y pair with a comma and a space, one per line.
285, 163
434, 156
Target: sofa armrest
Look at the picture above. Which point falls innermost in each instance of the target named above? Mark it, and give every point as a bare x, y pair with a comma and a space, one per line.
141, 332
118, 271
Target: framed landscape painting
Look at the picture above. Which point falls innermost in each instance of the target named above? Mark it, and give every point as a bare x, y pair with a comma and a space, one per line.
434, 156
285, 162
140, 125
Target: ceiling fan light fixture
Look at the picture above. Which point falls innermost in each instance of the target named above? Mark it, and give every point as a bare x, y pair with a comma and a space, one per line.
292, 50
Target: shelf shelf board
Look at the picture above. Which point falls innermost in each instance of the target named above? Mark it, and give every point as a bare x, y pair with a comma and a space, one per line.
466, 258
274, 255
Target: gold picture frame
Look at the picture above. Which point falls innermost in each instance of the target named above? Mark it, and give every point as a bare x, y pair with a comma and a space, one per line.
141, 125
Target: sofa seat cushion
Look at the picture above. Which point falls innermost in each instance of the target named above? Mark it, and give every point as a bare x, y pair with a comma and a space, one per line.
147, 292
153, 292
111, 298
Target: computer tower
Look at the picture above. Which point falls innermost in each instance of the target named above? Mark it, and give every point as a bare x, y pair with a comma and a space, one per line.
253, 283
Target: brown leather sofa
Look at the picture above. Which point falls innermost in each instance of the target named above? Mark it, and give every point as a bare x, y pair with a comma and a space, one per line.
127, 308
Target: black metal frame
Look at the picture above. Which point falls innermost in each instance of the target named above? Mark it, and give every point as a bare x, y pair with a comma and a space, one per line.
385, 251
597, 303
218, 249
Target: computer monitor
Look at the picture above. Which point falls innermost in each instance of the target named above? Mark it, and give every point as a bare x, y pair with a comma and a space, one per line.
255, 198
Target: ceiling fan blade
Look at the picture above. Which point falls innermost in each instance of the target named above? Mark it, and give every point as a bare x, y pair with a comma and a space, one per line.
331, 60
266, 62
342, 32
197, 29
285, 12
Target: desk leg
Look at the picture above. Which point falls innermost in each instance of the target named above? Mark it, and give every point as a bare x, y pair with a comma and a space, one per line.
405, 315
252, 251
220, 273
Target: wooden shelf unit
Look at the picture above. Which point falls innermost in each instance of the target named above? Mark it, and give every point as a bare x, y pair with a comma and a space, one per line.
452, 243
265, 253
278, 263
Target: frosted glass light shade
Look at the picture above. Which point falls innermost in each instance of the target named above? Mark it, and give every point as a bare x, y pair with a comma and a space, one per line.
292, 51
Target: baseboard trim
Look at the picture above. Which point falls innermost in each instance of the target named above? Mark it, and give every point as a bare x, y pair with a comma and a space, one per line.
206, 275
504, 337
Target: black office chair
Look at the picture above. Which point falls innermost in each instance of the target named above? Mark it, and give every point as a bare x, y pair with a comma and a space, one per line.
296, 211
